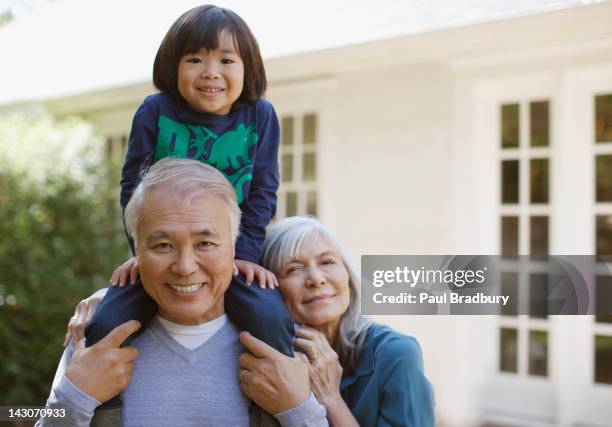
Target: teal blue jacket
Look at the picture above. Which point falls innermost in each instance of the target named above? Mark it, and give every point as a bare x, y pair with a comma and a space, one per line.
388, 386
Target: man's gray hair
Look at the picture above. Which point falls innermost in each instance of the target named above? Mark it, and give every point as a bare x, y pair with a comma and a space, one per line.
283, 243
184, 178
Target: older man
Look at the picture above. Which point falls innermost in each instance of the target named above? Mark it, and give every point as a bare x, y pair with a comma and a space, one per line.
183, 369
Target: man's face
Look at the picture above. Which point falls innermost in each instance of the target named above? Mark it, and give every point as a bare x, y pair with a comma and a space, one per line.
185, 255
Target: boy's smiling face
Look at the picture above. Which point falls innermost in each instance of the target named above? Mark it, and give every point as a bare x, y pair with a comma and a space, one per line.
211, 81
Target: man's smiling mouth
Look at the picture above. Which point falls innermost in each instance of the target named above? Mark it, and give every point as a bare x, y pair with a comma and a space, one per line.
186, 289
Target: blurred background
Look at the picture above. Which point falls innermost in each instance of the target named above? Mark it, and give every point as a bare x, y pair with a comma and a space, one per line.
408, 127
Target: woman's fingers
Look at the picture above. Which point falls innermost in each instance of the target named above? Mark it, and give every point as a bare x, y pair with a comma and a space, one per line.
308, 347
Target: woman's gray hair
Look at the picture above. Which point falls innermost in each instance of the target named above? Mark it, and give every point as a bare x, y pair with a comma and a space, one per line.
283, 242
183, 178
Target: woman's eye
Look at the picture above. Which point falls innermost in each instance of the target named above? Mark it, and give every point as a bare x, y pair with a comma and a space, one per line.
291, 269
328, 261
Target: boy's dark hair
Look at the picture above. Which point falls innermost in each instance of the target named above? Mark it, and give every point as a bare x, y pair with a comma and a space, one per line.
199, 28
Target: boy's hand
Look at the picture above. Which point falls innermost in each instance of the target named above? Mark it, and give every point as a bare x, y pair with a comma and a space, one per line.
251, 270
120, 275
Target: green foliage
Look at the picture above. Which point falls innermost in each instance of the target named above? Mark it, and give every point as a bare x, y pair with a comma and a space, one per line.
61, 236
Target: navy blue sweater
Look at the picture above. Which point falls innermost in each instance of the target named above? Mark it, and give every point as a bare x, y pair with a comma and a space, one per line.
243, 145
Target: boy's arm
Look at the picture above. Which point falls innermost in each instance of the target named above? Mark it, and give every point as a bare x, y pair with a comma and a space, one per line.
140, 151
260, 206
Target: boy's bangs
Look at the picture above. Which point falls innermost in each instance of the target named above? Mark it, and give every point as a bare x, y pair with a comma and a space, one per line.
205, 32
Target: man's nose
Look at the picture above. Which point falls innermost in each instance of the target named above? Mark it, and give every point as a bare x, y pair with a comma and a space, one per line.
186, 264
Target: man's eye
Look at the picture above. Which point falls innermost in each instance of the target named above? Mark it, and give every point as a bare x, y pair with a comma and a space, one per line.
205, 244
162, 246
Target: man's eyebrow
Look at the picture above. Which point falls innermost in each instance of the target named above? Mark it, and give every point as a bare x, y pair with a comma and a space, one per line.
161, 234
158, 234
208, 232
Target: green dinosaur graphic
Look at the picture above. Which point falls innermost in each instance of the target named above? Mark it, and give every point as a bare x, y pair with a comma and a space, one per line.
228, 152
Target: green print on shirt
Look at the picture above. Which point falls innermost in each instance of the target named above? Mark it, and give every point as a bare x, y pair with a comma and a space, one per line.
228, 152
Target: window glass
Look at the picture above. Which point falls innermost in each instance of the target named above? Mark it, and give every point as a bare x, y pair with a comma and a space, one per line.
539, 127
603, 178
538, 353
603, 235
510, 181
603, 118
509, 287
508, 350
291, 203
538, 175
538, 241
311, 203
287, 167
510, 125
310, 128
603, 298
603, 359
538, 291
509, 236
309, 167
287, 130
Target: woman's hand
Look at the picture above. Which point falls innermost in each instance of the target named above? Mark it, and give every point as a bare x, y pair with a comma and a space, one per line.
82, 316
325, 375
325, 369
121, 273
252, 270
275, 382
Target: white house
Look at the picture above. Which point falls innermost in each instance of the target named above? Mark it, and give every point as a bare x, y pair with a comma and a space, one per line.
410, 131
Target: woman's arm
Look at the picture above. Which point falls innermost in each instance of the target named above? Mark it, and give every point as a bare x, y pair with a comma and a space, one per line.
325, 375
83, 313
406, 395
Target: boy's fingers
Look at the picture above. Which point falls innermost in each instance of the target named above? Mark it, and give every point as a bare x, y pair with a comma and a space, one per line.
272, 280
133, 274
261, 277
249, 275
123, 277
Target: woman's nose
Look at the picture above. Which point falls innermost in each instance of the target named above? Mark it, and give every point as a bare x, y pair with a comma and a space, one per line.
315, 277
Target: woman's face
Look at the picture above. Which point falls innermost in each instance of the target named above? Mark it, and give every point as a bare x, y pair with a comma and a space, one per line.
315, 285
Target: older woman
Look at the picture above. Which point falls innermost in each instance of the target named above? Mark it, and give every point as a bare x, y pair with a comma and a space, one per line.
364, 374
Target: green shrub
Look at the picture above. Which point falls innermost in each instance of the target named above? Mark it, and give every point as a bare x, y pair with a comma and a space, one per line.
60, 238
